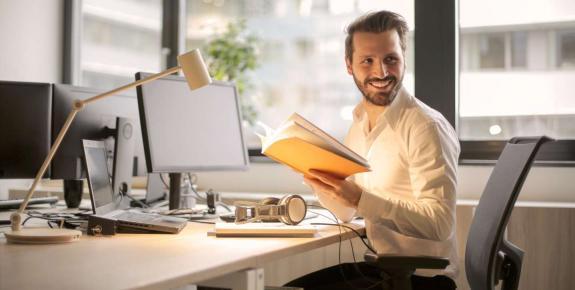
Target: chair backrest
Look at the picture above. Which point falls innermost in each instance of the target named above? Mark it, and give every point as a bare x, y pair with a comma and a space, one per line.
488, 257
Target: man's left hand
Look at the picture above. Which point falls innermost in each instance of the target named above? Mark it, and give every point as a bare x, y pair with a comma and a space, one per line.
346, 192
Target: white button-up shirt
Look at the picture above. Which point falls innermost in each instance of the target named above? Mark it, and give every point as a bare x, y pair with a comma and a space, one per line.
408, 199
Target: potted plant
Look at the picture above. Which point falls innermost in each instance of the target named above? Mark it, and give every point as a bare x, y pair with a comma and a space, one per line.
230, 57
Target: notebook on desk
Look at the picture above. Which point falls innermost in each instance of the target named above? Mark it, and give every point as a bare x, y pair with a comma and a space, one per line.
263, 230
109, 203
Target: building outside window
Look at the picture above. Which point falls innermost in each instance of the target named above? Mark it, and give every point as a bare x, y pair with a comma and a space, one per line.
517, 70
119, 38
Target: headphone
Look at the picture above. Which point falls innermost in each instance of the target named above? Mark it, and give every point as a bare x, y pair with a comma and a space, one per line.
290, 210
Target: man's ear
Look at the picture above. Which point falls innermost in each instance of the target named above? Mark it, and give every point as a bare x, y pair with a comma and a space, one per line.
348, 66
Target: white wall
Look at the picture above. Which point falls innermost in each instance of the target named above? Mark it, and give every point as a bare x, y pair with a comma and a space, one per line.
31, 34
31, 47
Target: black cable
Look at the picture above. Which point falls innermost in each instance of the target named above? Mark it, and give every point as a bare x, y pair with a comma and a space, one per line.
342, 272
350, 228
135, 200
164, 181
54, 218
341, 269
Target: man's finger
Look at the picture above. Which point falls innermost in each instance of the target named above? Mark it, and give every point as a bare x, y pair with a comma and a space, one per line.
327, 179
324, 174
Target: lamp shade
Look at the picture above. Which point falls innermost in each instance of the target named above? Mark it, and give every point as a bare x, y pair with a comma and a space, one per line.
194, 68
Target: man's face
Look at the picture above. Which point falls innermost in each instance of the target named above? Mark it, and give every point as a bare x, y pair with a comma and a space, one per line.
377, 65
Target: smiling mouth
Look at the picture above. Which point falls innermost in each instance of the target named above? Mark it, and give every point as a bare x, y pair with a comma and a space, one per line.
381, 84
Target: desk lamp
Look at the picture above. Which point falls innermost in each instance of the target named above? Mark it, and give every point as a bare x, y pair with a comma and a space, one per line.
196, 75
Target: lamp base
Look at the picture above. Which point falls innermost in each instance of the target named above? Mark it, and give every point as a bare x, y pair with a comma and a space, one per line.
42, 236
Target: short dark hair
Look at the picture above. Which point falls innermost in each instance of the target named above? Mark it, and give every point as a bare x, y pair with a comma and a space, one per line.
376, 22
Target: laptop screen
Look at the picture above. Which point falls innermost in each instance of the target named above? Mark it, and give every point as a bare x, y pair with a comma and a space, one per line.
104, 199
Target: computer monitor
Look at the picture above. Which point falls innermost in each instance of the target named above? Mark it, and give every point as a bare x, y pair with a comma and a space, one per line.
190, 131
25, 118
95, 122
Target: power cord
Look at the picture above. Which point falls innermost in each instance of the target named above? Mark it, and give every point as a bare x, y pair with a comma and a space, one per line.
124, 192
341, 269
193, 180
56, 219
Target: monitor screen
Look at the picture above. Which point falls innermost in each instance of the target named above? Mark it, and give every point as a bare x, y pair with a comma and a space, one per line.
91, 123
25, 118
188, 131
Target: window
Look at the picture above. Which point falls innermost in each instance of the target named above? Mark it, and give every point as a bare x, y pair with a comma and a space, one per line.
515, 71
116, 39
492, 51
301, 55
566, 47
509, 83
519, 49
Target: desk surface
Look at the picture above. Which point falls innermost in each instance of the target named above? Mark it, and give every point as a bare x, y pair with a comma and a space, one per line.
145, 261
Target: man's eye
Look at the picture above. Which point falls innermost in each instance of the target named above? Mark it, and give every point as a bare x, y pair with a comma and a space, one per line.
367, 61
391, 60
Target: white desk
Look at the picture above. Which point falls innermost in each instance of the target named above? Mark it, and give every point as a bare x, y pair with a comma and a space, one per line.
146, 261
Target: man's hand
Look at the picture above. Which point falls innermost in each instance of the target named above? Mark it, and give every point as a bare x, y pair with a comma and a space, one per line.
346, 192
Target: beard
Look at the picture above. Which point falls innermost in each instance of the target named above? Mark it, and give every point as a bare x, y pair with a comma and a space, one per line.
379, 98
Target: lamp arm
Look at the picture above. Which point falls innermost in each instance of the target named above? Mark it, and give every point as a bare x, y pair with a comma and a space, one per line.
133, 85
16, 218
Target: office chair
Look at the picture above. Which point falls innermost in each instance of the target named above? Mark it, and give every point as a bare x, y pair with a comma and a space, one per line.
489, 257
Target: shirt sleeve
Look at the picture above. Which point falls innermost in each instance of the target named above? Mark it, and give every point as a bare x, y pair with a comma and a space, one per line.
432, 155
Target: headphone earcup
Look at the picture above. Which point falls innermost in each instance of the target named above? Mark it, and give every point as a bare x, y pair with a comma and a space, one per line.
296, 209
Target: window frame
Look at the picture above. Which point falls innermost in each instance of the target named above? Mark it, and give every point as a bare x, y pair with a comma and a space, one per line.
436, 71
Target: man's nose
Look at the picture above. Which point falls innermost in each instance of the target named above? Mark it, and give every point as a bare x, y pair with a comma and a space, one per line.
380, 70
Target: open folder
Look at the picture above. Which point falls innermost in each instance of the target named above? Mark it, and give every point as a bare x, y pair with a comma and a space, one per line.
263, 230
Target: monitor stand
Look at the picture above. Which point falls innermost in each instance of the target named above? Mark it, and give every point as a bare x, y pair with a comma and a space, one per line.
175, 190
181, 199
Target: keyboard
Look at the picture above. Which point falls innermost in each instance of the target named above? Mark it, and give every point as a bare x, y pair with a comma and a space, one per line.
134, 216
15, 203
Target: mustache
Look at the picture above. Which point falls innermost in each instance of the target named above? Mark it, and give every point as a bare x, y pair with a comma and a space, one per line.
387, 78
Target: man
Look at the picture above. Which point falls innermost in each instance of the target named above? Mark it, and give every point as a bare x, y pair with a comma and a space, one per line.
408, 198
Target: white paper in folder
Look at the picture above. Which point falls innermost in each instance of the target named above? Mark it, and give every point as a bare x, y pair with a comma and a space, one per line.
263, 230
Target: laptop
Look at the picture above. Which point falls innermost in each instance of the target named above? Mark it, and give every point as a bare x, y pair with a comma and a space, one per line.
112, 204
156, 195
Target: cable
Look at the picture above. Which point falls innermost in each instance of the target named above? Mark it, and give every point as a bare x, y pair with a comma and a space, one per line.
164, 181
342, 272
56, 219
135, 200
193, 179
224, 206
352, 229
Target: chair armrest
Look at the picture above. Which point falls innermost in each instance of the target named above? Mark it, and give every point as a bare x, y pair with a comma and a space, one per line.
391, 262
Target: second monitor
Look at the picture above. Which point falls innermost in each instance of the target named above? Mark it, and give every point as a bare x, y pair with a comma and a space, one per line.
190, 131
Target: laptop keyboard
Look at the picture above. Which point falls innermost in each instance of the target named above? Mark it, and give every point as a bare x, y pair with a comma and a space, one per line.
142, 217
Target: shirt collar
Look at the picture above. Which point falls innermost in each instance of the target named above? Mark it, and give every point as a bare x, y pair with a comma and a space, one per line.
391, 114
